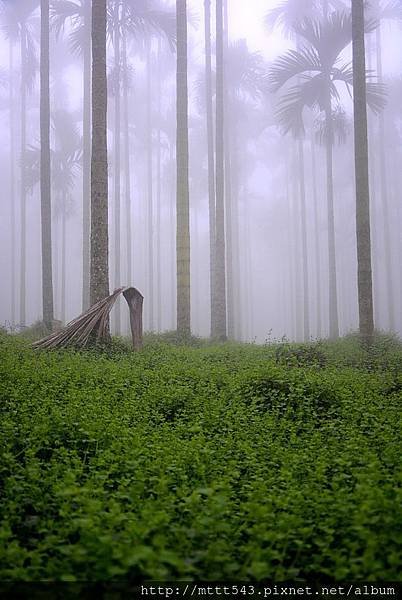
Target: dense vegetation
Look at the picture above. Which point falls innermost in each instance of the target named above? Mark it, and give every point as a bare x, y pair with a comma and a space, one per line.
202, 461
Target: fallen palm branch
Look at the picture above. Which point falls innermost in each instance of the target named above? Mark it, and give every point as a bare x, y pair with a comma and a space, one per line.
92, 327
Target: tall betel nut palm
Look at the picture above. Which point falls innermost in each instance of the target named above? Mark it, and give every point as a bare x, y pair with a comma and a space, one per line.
364, 276
317, 69
99, 270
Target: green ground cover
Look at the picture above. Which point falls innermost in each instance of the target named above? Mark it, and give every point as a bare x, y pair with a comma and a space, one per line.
211, 462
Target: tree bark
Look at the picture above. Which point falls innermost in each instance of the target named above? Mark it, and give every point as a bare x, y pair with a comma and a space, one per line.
45, 192
182, 198
365, 294
99, 280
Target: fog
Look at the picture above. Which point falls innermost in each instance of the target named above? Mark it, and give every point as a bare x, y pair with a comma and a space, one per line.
278, 275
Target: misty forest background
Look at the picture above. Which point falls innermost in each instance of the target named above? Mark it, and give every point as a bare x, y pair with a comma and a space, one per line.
263, 243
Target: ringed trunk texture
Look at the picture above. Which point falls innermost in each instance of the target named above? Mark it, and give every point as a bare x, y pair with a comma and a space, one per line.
46, 210
99, 274
364, 276
182, 197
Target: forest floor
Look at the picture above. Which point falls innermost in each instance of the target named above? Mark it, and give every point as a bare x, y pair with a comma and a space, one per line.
219, 462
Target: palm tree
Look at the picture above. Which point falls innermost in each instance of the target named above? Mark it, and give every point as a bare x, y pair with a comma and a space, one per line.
16, 25
65, 156
78, 12
365, 293
384, 11
99, 268
182, 201
318, 68
46, 213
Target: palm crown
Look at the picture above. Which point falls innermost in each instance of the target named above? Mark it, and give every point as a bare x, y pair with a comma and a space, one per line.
318, 70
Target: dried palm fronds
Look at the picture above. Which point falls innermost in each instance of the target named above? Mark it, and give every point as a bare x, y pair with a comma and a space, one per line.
93, 325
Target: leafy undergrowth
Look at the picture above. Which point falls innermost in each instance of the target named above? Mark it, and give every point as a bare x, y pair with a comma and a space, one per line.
223, 462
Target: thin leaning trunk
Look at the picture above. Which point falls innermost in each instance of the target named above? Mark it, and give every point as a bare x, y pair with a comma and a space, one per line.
211, 159
46, 210
23, 180
220, 326
364, 275
389, 292
182, 191
86, 159
117, 110
12, 180
99, 274
333, 297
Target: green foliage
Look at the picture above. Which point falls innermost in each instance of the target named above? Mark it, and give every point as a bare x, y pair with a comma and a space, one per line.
212, 462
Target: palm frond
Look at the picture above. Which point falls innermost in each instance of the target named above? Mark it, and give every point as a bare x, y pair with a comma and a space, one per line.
143, 18
376, 95
329, 37
62, 11
291, 64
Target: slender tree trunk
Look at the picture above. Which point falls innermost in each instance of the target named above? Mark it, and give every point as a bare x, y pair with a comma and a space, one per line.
158, 197
389, 291
46, 208
316, 238
235, 190
23, 179
99, 280
150, 192
12, 179
302, 190
220, 326
211, 159
172, 228
182, 202
333, 297
117, 166
365, 294
228, 187
127, 174
86, 157
63, 261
